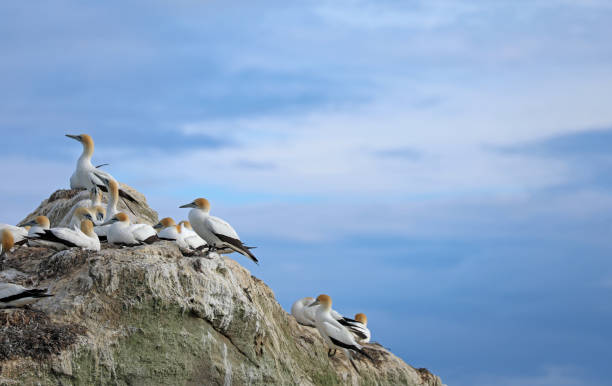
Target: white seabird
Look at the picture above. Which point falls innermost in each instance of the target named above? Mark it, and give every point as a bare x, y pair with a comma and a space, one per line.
111, 208
37, 226
19, 233
302, 313
122, 232
333, 333
169, 231
14, 295
216, 232
359, 328
7, 241
80, 214
192, 238
64, 238
86, 175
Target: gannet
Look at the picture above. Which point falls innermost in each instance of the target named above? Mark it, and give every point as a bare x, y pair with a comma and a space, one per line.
82, 237
19, 233
7, 241
306, 315
80, 214
37, 226
216, 232
332, 332
111, 208
86, 175
302, 313
122, 232
168, 230
193, 239
359, 328
99, 213
14, 295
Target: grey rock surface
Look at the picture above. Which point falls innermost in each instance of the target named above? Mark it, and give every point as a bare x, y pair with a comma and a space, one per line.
149, 315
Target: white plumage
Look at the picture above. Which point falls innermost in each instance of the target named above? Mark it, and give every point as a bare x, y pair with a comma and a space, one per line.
302, 313
64, 238
121, 232
19, 233
14, 295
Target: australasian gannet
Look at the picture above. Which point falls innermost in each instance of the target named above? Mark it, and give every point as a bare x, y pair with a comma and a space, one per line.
82, 237
19, 233
333, 333
80, 214
86, 175
359, 328
95, 198
122, 232
37, 226
6, 241
306, 315
216, 232
169, 231
111, 208
193, 239
14, 295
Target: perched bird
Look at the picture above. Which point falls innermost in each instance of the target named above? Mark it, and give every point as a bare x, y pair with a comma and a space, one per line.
359, 328
333, 333
80, 214
216, 232
86, 175
37, 226
306, 315
7, 241
195, 242
111, 208
14, 295
64, 238
123, 233
302, 313
19, 233
95, 198
168, 230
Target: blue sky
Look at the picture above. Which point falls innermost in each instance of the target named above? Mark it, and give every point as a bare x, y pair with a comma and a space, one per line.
441, 166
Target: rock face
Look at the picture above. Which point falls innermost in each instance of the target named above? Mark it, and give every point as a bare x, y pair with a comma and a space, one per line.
148, 315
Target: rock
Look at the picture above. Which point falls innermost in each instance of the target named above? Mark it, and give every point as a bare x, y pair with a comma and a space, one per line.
148, 315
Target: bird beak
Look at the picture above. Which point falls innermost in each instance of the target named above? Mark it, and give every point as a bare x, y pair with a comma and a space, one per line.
158, 226
190, 205
30, 223
315, 303
73, 137
112, 220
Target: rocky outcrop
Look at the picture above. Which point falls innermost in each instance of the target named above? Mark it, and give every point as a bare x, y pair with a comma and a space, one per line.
149, 315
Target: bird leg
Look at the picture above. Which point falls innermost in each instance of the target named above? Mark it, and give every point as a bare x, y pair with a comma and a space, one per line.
330, 354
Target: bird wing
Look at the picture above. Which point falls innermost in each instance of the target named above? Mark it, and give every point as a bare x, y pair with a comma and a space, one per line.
142, 232
195, 241
18, 232
337, 333
221, 227
10, 289
359, 330
68, 237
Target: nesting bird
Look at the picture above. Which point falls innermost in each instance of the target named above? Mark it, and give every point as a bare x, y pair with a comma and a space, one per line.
169, 231
64, 238
80, 214
37, 226
216, 232
122, 232
193, 239
7, 241
19, 233
302, 313
359, 328
14, 295
332, 332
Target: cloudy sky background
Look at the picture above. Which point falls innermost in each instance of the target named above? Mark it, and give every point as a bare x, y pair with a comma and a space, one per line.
442, 166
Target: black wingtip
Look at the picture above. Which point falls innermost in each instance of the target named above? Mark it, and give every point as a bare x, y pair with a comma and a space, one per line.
127, 196
151, 239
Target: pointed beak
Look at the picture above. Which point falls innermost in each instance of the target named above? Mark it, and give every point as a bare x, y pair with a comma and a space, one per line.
30, 223
110, 221
76, 137
315, 303
190, 205
158, 226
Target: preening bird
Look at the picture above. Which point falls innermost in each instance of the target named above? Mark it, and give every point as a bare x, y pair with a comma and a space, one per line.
14, 295
217, 233
111, 208
123, 233
7, 241
19, 233
86, 175
302, 313
332, 332
359, 328
64, 238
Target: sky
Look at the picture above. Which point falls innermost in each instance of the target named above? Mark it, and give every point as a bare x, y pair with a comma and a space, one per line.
442, 166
